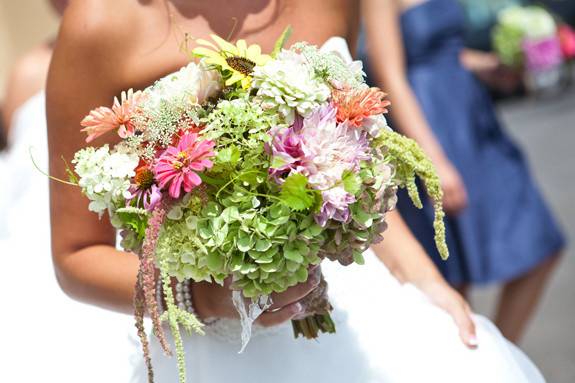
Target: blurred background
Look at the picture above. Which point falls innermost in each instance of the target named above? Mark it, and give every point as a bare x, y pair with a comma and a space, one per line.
543, 125
23, 24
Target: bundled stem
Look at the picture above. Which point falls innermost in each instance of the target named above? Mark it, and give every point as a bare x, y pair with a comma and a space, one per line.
319, 321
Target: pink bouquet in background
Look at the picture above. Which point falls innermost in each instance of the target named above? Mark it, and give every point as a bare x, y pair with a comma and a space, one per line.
542, 55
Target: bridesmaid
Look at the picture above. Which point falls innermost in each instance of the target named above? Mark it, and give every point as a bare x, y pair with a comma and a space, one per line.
499, 228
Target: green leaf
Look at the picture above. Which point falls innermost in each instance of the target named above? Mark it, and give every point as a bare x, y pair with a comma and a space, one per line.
215, 261
135, 221
358, 257
281, 41
277, 162
301, 274
245, 242
362, 217
295, 194
351, 182
230, 214
205, 230
212, 209
230, 155
293, 254
263, 244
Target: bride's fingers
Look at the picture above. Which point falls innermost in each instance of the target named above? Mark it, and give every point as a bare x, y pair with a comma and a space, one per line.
461, 313
297, 292
274, 318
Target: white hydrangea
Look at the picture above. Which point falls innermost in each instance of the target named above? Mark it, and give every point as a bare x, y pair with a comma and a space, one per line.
287, 84
193, 83
104, 176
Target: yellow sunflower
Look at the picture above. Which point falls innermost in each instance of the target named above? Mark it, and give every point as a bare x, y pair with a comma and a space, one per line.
240, 59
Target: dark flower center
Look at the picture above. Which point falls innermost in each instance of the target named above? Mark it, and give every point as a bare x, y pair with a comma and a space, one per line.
241, 64
144, 178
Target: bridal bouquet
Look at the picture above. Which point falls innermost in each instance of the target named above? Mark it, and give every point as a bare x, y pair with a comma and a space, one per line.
248, 167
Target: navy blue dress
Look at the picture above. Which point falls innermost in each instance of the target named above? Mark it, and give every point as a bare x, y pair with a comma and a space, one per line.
506, 230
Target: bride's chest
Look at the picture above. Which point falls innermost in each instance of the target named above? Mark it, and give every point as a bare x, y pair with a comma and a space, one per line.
163, 45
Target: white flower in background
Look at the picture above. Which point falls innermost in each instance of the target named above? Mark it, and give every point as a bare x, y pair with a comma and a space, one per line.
193, 83
288, 84
103, 176
535, 22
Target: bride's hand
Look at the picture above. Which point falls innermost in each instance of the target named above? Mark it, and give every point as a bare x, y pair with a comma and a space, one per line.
215, 301
409, 263
447, 298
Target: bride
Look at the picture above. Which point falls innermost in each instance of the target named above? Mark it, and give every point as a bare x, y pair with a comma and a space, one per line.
387, 331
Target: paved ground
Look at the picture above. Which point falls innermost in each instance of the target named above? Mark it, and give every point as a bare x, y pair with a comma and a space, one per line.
546, 130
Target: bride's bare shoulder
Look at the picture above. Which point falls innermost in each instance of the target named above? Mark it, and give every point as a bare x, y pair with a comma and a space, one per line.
94, 38
99, 23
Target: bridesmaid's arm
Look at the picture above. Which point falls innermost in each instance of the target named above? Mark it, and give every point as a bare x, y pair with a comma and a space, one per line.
388, 67
408, 262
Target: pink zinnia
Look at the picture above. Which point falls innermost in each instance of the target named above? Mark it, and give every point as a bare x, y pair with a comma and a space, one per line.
103, 119
177, 166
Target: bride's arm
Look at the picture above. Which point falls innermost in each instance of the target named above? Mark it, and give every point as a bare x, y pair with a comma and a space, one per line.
408, 262
83, 75
388, 68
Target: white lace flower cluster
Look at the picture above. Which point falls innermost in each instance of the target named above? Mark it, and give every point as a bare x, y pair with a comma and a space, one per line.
104, 176
289, 83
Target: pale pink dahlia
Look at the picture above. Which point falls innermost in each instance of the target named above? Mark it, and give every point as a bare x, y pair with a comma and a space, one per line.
176, 168
103, 119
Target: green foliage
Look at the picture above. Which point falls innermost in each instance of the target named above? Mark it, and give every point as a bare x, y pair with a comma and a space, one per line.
296, 195
351, 182
410, 161
134, 219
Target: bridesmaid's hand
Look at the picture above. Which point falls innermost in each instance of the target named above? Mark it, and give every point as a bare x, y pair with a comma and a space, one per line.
454, 193
214, 301
445, 297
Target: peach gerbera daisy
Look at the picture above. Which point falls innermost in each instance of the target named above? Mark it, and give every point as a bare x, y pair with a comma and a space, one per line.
103, 119
355, 105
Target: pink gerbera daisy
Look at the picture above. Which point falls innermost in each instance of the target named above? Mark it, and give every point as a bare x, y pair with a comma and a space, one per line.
176, 168
101, 120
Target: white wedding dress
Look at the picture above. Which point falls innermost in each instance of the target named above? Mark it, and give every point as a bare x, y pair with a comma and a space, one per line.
46, 336
386, 333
